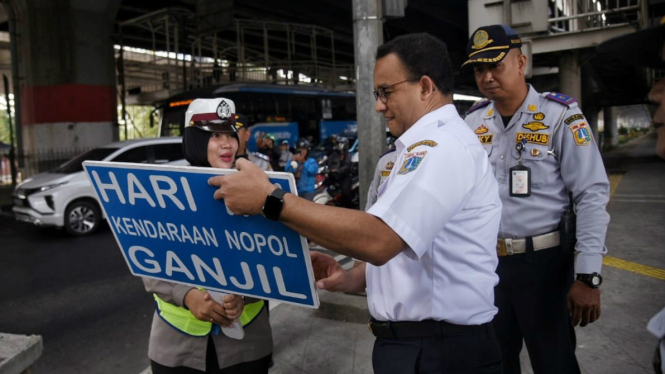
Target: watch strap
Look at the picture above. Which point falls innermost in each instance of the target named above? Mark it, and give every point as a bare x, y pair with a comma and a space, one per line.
274, 203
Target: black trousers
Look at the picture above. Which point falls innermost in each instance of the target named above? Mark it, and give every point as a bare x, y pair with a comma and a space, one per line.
259, 366
532, 299
473, 353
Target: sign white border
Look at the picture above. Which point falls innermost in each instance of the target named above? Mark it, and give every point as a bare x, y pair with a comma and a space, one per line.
203, 170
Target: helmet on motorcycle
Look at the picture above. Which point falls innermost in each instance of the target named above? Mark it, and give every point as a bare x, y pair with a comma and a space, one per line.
343, 144
302, 143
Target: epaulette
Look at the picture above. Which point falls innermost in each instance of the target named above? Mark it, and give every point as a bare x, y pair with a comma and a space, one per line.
386, 152
478, 105
261, 156
561, 98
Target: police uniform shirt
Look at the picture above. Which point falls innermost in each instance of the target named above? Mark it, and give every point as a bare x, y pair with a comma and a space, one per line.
442, 200
574, 165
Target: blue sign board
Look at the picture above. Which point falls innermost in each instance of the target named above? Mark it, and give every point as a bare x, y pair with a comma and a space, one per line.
328, 128
280, 130
169, 227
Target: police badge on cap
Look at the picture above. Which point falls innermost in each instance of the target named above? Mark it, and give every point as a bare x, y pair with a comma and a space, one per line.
491, 44
223, 110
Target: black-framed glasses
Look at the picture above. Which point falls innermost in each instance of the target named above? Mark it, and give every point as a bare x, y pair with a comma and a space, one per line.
380, 93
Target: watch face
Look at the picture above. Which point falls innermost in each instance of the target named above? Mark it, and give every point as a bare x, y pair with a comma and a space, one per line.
595, 280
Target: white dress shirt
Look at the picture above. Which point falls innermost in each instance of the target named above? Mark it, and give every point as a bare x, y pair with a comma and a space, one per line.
442, 199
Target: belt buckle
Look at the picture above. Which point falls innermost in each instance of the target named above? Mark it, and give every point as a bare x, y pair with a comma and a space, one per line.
504, 247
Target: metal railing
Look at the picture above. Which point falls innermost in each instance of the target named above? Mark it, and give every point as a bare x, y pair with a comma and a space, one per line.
287, 54
578, 15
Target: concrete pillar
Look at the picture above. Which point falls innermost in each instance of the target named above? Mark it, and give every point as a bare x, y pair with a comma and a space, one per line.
68, 91
367, 35
591, 115
570, 75
611, 126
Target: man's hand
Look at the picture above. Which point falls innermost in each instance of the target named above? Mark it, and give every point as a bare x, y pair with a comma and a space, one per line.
243, 192
329, 274
583, 303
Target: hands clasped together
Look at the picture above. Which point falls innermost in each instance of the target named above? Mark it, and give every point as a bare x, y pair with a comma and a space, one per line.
204, 308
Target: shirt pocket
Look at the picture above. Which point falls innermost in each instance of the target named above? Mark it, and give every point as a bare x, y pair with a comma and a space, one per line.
533, 157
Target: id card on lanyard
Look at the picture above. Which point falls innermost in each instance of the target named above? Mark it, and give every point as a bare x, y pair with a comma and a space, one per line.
520, 175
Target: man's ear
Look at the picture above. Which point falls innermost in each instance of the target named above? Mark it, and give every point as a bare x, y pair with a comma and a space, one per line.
521, 62
428, 87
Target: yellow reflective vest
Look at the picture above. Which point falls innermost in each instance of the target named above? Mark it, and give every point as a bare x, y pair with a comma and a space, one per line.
184, 321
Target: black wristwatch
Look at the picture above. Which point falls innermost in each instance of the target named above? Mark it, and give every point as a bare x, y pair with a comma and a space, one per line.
593, 280
272, 208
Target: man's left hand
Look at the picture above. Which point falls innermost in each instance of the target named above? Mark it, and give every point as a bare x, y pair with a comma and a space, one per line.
243, 192
583, 303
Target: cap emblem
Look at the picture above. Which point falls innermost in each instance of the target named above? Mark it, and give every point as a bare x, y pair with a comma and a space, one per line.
481, 39
223, 110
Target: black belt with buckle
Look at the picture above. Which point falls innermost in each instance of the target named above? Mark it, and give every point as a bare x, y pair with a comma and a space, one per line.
420, 329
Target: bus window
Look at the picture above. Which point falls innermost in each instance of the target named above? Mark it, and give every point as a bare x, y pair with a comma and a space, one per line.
173, 122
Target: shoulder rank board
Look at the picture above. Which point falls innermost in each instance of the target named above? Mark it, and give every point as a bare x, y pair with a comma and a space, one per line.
561, 98
478, 105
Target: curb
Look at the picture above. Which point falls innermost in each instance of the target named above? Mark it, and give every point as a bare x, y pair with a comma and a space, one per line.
19, 352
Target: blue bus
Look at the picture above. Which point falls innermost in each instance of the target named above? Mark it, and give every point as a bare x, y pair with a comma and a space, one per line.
310, 110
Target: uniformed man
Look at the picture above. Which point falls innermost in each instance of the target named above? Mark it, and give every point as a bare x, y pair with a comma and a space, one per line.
429, 239
244, 134
541, 149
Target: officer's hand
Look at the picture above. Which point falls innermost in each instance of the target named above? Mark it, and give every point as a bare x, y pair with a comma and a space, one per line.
233, 305
243, 192
328, 273
583, 303
205, 308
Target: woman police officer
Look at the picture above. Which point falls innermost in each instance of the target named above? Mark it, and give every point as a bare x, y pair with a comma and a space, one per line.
185, 335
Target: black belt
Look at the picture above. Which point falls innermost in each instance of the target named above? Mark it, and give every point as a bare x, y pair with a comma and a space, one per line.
421, 329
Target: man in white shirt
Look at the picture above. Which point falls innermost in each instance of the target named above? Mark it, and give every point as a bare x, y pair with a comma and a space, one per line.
430, 238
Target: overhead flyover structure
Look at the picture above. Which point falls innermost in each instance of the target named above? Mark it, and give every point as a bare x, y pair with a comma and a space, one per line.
561, 37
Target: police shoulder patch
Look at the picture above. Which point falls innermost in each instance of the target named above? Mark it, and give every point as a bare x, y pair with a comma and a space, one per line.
573, 118
411, 162
581, 133
429, 143
478, 105
561, 98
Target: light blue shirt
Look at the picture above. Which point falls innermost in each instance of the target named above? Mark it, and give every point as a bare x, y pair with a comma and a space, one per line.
573, 165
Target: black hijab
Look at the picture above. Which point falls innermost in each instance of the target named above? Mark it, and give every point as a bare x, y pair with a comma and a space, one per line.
195, 146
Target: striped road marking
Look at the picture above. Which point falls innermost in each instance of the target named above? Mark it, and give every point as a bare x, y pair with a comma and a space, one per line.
634, 267
615, 178
614, 262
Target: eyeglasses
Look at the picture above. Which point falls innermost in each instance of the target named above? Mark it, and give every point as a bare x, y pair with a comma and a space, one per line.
380, 93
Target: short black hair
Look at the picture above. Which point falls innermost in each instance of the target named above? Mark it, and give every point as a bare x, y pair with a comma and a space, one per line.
422, 54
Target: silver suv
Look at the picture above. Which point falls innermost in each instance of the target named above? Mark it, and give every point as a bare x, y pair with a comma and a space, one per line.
64, 196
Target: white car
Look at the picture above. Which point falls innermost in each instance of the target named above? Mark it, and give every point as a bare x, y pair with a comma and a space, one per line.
64, 196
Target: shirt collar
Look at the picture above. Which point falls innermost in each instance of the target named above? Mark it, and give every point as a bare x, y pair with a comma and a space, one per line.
426, 123
529, 105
